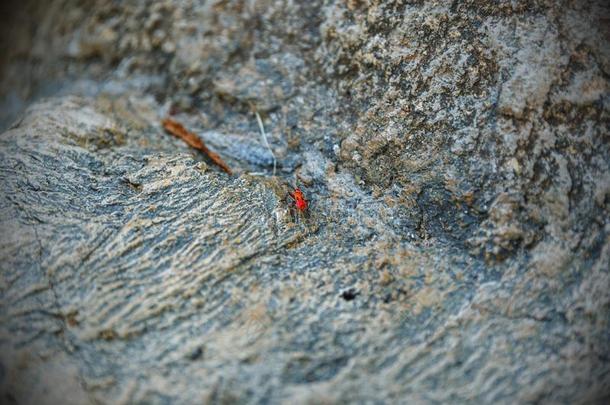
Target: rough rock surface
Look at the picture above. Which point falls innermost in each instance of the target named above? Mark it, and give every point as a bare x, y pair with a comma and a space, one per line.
457, 159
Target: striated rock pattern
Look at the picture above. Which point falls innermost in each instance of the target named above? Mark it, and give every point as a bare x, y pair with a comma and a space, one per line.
456, 156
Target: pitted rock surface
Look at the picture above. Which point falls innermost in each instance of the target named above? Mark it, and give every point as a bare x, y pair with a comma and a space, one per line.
455, 155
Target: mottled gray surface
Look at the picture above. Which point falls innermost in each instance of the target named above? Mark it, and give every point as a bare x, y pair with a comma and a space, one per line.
457, 160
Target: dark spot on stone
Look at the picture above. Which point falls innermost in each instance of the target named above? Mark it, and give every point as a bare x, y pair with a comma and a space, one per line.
107, 334
134, 186
71, 318
196, 354
349, 294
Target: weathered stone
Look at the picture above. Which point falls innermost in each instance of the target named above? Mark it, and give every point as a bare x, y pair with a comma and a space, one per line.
455, 155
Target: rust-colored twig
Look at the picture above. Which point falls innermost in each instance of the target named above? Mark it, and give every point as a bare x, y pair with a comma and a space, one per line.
177, 129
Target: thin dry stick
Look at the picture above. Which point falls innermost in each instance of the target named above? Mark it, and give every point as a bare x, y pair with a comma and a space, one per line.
262, 129
177, 129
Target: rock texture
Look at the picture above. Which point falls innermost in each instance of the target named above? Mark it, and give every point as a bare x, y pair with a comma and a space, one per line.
455, 154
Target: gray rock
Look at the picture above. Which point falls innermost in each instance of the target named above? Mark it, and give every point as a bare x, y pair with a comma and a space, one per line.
455, 157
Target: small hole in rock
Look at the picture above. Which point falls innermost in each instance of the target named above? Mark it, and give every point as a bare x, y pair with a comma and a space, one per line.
349, 295
196, 354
